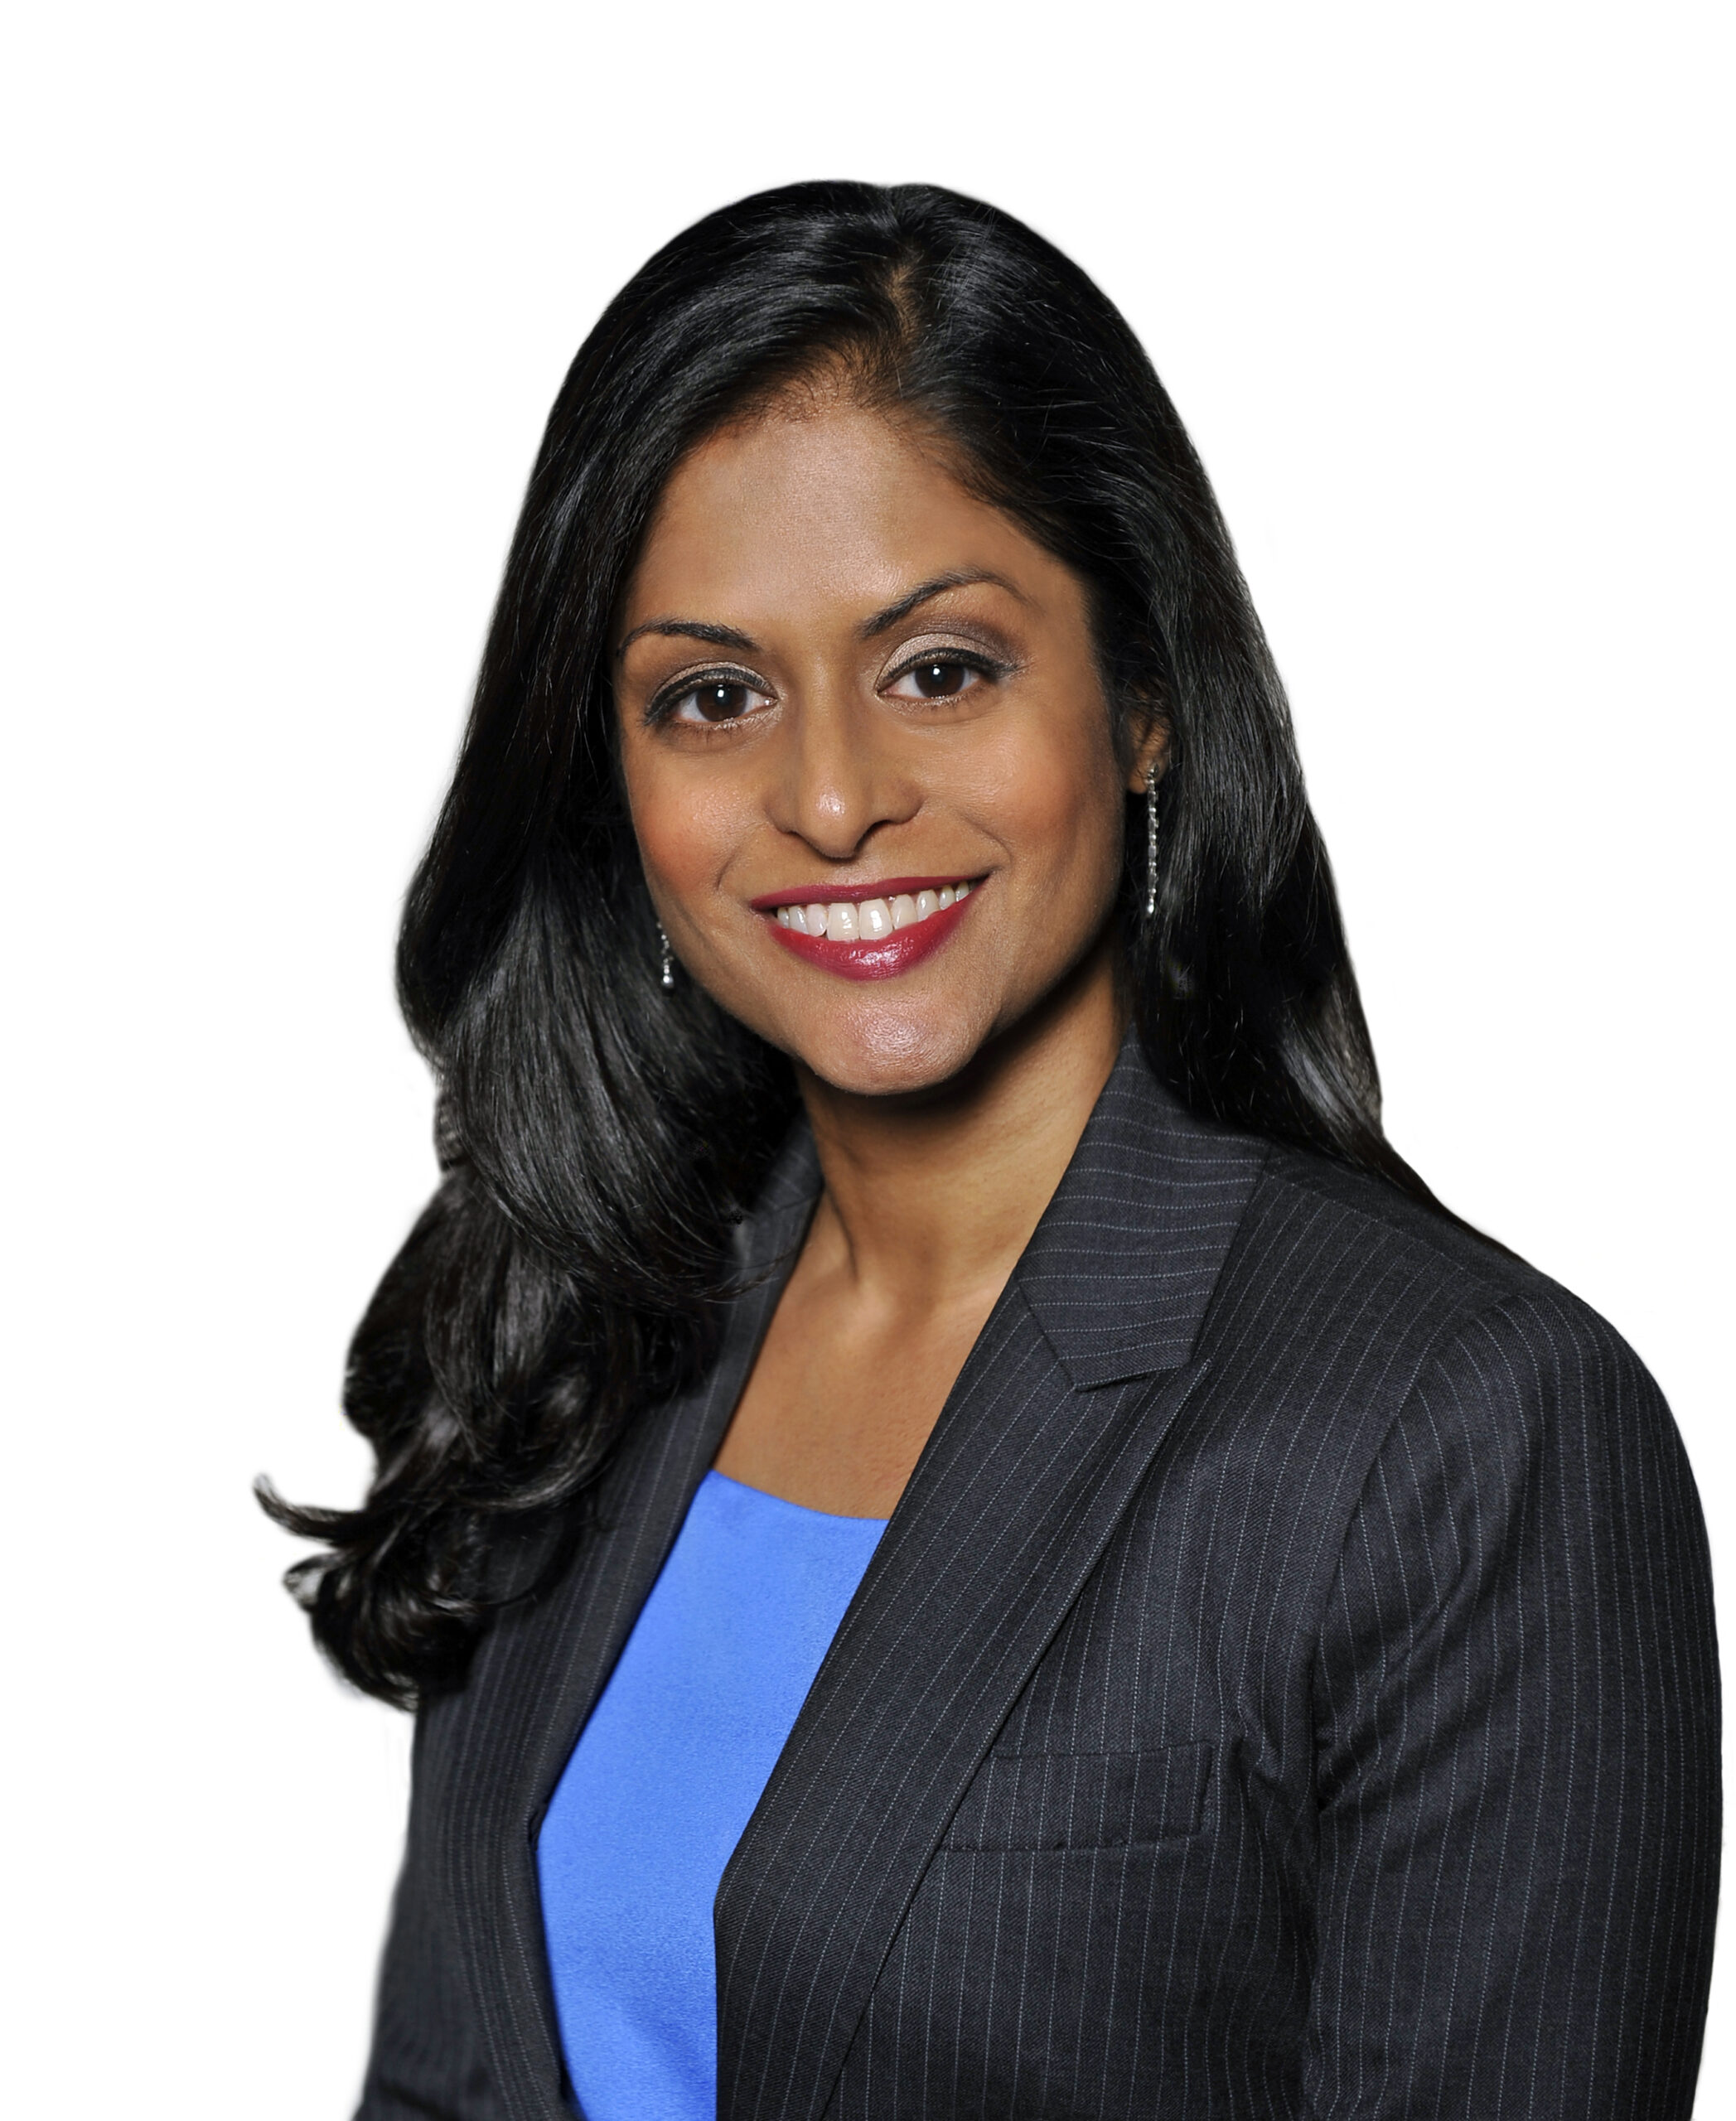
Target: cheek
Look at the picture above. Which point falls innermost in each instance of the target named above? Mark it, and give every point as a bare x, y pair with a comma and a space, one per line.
1055, 798
686, 824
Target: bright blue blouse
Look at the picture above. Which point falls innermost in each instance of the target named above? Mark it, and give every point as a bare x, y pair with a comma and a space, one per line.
664, 1780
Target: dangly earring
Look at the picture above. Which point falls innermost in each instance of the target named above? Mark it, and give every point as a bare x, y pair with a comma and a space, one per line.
669, 959
1151, 839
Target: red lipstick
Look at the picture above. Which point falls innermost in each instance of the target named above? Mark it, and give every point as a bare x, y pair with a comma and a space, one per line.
880, 960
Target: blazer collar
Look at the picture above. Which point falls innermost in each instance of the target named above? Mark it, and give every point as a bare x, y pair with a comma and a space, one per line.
1122, 1265
1048, 1433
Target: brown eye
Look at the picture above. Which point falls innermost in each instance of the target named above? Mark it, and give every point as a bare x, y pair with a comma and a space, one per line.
938, 680
719, 702
937, 677
717, 699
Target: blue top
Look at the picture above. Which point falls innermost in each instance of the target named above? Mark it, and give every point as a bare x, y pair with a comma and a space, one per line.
663, 1781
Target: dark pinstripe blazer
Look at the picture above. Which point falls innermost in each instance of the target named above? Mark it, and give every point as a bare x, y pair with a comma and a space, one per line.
1287, 1687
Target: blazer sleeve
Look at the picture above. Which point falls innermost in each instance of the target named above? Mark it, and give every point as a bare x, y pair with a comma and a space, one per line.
1516, 1768
428, 2062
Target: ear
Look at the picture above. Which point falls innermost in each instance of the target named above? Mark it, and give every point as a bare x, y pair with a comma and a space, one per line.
1151, 749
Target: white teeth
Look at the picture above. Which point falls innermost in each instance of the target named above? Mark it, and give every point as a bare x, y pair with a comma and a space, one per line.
869, 919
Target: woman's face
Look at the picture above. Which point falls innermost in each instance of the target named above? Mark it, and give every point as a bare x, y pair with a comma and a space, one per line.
844, 683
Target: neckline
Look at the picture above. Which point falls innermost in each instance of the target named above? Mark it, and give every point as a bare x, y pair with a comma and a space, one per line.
783, 1502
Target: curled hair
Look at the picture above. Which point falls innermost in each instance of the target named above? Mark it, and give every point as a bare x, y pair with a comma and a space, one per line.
598, 1137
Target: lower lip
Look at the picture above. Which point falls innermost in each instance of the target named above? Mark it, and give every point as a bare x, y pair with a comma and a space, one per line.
885, 959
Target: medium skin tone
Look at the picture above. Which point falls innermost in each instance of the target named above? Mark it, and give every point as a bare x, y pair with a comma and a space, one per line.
836, 668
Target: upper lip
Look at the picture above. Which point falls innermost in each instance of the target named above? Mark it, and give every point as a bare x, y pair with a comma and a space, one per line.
836, 894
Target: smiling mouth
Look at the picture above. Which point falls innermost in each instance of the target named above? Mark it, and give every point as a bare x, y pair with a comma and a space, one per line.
875, 932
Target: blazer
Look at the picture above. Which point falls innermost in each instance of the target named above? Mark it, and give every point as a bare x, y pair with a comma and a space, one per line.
1287, 1687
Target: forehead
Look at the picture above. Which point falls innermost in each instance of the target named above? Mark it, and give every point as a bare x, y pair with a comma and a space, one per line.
828, 506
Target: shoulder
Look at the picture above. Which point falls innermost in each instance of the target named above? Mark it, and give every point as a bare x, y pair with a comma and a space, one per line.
1411, 1312
1432, 1418
1319, 1231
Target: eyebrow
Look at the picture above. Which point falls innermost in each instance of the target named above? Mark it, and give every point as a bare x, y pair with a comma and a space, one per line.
881, 622
690, 629
958, 578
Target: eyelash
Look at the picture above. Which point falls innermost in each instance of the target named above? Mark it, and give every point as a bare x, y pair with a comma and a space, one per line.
663, 706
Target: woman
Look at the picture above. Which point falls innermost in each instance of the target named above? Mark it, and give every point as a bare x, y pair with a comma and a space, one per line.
965, 1537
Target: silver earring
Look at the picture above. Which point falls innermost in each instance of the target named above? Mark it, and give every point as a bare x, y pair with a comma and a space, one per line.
1151, 839
669, 959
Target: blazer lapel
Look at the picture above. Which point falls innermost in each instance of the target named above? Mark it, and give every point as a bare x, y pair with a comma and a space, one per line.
1050, 1429
539, 1673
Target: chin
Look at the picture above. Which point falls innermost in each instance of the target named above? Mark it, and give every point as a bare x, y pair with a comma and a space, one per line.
879, 1053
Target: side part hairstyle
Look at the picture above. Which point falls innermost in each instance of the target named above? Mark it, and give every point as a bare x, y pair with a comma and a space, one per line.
599, 1138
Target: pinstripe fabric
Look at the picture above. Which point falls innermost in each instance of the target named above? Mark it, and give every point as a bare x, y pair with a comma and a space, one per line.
1287, 1688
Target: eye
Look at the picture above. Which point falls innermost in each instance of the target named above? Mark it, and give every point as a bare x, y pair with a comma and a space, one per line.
938, 677
711, 701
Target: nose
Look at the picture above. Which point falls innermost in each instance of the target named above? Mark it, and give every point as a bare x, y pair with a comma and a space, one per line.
839, 780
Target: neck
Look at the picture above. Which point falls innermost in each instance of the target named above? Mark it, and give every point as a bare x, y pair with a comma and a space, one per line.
929, 1201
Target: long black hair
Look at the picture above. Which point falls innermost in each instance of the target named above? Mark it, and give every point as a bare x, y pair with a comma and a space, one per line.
597, 1137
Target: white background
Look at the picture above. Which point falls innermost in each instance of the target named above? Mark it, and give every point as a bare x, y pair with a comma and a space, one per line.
1442, 293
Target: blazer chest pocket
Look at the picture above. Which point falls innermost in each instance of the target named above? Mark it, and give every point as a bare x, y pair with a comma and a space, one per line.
1083, 1801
